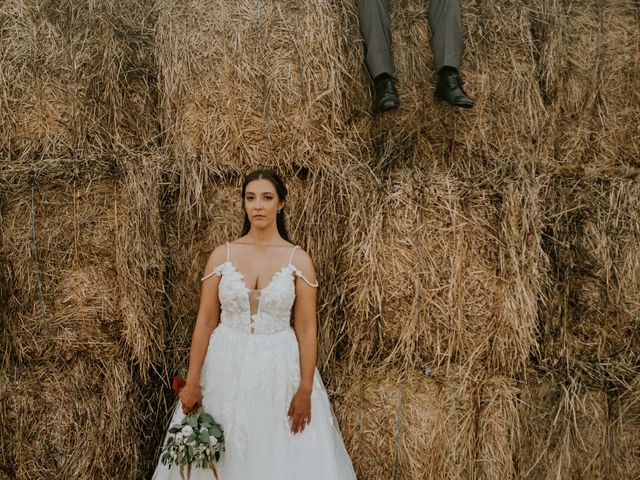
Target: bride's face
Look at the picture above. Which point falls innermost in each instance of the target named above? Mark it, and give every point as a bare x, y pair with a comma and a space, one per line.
261, 203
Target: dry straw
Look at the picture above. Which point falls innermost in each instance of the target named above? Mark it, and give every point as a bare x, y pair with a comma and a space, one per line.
564, 429
76, 77
87, 223
436, 416
69, 417
252, 83
431, 280
81, 282
73, 227
592, 240
500, 66
588, 72
498, 428
624, 450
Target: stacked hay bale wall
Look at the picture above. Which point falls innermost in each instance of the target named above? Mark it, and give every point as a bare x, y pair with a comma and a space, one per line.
480, 272
80, 328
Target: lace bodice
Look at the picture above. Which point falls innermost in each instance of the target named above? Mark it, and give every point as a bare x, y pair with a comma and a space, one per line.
258, 311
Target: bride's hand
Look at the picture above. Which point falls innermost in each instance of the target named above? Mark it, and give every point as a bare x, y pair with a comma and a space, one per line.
190, 397
300, 411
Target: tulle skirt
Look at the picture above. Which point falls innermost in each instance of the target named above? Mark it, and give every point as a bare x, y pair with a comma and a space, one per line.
247, 383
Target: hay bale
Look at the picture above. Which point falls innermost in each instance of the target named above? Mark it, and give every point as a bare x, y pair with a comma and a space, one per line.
618, 115
589, 76
59, 422
420, 275
61, 297
408, 304
592, 234
407, 426
499, 69
377, 278
564, 428
249, 84
500, 65
6, 442
522, 269
139, 259
87, 228
77, 77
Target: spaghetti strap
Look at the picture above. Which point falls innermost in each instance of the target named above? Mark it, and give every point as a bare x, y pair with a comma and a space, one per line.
293, 252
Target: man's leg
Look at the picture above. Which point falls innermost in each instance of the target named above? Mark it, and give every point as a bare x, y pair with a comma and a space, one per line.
447, 45
446, 33
375, 28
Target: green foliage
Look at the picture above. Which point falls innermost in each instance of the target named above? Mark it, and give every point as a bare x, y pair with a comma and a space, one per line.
197, 440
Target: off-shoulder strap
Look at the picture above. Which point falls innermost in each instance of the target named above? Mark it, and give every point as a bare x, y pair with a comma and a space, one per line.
301, 275
216, 271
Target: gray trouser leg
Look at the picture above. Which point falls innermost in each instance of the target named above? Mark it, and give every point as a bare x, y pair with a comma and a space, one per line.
446, 31
374, 25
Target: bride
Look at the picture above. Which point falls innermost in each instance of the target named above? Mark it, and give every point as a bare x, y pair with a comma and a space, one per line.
248, 368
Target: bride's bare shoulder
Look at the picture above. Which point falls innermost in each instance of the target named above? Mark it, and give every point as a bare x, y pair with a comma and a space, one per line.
303, 260
217, 257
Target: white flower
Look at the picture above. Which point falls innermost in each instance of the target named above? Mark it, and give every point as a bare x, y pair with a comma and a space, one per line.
186, 430
212, 440
179, 437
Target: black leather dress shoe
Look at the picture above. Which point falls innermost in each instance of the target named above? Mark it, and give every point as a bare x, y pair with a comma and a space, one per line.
386, 95
449, 89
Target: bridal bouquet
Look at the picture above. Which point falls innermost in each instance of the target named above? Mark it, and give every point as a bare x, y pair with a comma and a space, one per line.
197, 440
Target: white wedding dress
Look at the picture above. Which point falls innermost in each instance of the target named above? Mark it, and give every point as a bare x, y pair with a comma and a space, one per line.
249, 376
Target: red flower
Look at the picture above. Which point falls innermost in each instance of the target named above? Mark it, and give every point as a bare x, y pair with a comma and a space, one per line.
178, 383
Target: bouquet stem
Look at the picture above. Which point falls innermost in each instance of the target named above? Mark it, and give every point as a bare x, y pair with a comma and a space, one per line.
213, 469
188, 472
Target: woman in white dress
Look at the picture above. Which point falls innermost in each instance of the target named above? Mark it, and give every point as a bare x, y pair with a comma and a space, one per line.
248, 367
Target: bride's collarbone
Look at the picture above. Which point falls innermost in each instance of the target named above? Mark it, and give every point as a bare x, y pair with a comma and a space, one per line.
259, 265
259, 280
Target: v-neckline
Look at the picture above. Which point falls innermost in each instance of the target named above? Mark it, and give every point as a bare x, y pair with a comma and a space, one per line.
279, 272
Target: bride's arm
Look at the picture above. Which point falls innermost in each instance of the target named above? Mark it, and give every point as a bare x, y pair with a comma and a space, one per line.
305, 326
207, 319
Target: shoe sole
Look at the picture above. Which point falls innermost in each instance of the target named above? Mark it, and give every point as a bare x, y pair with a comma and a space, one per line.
460, 105
387, 108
